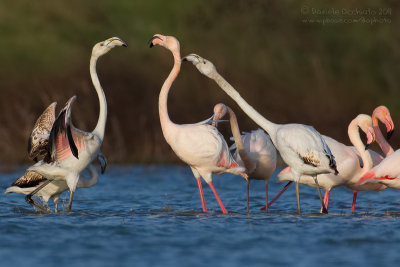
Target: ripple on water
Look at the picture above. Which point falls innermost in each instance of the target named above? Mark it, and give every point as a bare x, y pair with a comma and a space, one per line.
151, 215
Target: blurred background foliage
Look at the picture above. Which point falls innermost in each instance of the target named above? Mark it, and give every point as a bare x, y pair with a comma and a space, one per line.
289, 69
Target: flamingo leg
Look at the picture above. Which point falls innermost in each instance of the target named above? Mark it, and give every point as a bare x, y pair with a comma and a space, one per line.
277, 196
203, 202
29, 199
353, 206
266, 197
326, 199
217, 197
248, 186
71, 196
298, 198
324, 210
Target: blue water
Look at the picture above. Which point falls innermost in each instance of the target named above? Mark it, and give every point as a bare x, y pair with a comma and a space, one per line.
151, 216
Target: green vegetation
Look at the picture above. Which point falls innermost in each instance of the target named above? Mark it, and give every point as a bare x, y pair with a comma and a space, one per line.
288, 68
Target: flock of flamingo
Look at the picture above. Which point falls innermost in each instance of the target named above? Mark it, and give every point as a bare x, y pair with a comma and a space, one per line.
62, 152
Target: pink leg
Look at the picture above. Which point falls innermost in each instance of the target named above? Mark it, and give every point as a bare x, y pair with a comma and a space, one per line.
217, 197
248, 185
353, 206
266, 198
326, 200
283, 190
203, 202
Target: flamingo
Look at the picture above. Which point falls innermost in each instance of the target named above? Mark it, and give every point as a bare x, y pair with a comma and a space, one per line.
382, 114
254, 150
30, 181
37, 149
300, 146
386, 173
349, 165
70, 150
199, 145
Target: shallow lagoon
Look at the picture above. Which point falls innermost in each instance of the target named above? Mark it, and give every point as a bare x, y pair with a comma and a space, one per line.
151, 216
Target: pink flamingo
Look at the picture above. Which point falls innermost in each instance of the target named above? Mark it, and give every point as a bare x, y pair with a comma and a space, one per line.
254, 150
381, 113
199, 145
350, 166
387, 172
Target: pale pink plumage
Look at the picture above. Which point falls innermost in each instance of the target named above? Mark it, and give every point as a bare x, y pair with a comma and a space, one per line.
199, 145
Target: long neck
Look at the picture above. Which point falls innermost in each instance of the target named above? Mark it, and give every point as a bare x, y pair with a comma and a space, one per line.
101, 122
355, 139
268, 126
386, 148
166, 123
248, 163
88, 181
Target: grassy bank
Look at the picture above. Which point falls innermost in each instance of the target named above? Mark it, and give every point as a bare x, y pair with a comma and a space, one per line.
289, 68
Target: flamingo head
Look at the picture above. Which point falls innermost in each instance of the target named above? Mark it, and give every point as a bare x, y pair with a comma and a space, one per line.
364, 122
103, 47
370, 137
169, 42
382, 113
205, 66
220, 111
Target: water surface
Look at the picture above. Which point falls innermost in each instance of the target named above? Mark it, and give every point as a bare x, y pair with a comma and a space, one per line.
151, 216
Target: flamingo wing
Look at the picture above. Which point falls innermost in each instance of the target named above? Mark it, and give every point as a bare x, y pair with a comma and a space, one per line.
29, 179
38, 140
307, 143
388, 169
61, 142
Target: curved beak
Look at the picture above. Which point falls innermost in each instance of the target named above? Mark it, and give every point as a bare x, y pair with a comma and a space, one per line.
215, 120
389, 134
389, 126
151, 41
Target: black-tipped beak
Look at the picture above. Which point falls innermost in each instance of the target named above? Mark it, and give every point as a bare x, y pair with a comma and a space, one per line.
367, 146
124, 45
151, 41
389, 134
185, 59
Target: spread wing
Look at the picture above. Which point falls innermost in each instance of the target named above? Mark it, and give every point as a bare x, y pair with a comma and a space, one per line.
61, 143
29, 179
38, 140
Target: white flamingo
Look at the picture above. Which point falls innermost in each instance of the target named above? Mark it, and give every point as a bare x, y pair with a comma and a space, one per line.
253, 150
37, 149
300, 146
199, 145
69, 149
350, 166
30, 181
